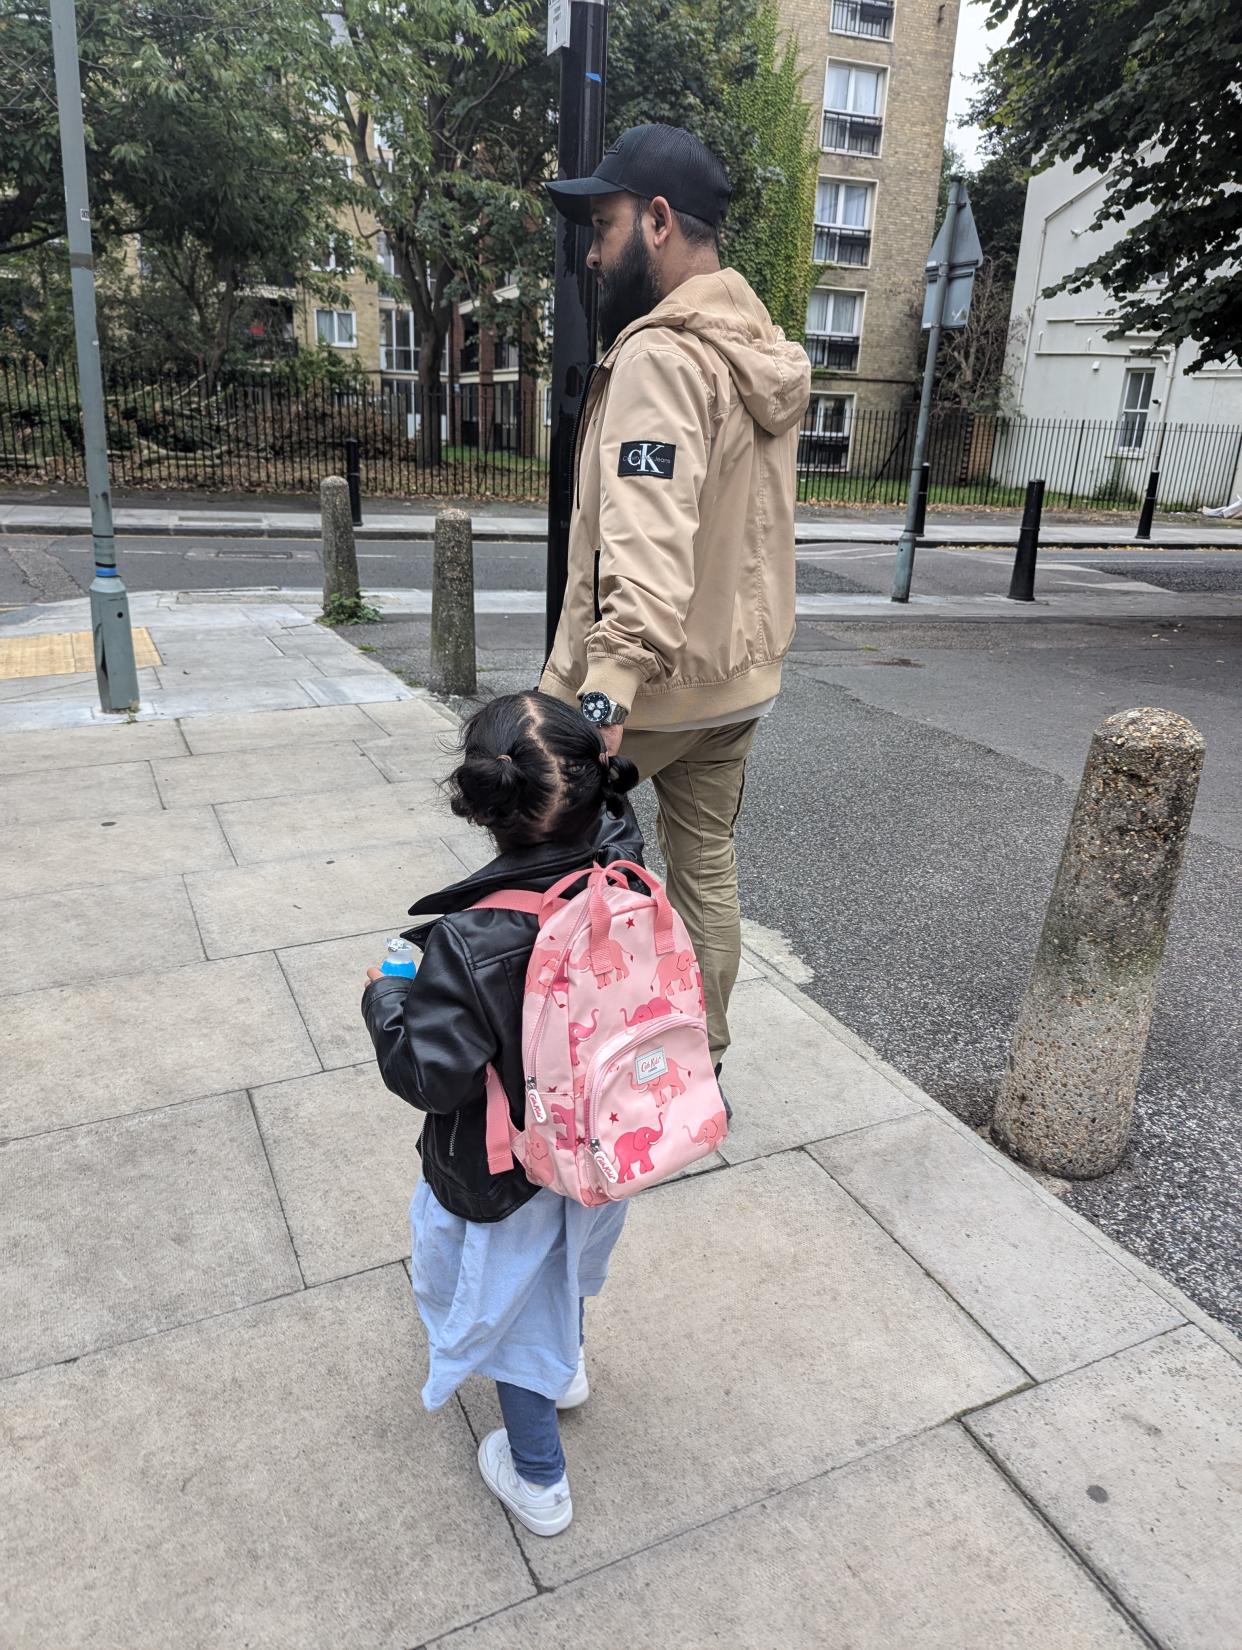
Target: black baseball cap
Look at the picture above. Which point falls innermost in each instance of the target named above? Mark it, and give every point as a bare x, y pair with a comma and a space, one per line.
650, 161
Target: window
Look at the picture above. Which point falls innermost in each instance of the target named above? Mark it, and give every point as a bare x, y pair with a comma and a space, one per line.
505, 416
833, 329
383, 254
1135, 407
507, 357
853, 101
470, 415
337, 326
398, 342
843, 222
470, 343
547, 404
871, 18
824, 439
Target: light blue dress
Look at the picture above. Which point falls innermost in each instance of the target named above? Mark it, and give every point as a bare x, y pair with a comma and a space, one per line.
501, 1298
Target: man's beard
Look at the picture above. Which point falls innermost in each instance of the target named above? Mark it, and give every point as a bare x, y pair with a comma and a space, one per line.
629, 290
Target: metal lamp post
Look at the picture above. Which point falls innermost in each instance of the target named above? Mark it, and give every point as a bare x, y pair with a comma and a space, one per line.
578, 29
115, 670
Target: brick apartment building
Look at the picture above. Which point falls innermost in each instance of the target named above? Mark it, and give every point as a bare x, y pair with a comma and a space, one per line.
884, 68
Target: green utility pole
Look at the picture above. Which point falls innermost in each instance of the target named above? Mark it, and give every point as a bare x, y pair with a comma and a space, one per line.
114, 643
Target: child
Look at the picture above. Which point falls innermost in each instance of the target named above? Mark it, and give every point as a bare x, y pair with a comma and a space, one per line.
499, 1265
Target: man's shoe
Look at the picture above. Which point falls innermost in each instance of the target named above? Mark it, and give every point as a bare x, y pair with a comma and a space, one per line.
728, 1108
544, 1510
579, 1389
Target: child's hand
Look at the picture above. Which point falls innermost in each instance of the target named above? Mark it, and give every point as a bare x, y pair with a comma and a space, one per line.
374, 974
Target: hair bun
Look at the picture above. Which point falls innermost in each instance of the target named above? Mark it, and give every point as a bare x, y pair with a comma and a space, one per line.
488, 789
620, 776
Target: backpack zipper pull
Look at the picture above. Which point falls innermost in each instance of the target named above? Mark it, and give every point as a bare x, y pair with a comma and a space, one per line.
535, 1101
607, 1168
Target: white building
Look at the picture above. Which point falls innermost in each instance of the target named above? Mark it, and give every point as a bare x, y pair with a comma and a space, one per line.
1134, 406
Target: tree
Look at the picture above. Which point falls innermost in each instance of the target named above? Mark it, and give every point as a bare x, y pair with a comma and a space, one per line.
1146, 92
443, 109
194, 143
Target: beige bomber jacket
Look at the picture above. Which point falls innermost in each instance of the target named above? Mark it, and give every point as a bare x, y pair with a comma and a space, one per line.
685, 493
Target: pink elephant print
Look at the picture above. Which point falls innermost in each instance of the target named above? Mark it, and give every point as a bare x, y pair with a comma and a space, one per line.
616, 954
675, 972
563, 1117
666, 1087
649, 1011
579, 1034
539, 1165
635, 1148
710, 1131
545, 976
698, 980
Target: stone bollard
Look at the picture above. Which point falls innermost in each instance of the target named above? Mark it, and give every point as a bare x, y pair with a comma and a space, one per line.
452, 606
1068, 1096
340, 557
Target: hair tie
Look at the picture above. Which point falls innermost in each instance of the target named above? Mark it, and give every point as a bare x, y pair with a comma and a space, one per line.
504, 759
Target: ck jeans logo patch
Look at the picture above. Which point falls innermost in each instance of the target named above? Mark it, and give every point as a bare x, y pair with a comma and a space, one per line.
647, 458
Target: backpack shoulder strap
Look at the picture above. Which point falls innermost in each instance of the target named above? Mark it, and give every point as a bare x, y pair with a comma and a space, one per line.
511, 899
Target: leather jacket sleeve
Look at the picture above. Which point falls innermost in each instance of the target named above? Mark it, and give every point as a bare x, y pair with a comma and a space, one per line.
432, 1037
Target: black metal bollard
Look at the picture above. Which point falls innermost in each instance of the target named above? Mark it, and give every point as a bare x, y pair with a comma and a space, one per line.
1149, 506
1022, 580
353, 475
920, 519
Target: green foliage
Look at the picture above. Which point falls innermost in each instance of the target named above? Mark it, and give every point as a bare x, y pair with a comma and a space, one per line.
349, 610
775, 215
1146, 91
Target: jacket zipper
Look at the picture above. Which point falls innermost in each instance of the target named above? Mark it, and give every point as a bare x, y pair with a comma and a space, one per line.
453, 1133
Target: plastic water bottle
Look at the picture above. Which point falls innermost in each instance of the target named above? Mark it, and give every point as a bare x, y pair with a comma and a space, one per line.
399, 960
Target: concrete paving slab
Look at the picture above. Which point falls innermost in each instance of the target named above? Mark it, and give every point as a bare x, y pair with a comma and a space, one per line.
414, 715
87, 747
359, 688
428, 755
1137, 1461
39, 933
241, 694
74, 853
290, 729
822, 1087
134, 1226
242, 672
106, 790
267, 1478
81, 1052
920, 1547
344, 1155
1053, 1297
198, 652
327, 982
240, 775
838, 1345
281, 827
298, 901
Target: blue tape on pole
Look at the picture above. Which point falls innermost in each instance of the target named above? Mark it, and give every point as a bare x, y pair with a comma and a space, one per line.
597, 78
107, 572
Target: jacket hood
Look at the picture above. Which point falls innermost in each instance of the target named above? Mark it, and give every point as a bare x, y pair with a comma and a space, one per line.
773, 376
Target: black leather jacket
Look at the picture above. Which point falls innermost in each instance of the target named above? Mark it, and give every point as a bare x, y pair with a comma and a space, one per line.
435, 1035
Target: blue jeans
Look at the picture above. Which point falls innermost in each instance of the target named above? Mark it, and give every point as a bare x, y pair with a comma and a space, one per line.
530, 1421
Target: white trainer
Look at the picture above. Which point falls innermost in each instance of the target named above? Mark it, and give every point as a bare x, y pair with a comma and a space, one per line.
544, 1509
579, 1389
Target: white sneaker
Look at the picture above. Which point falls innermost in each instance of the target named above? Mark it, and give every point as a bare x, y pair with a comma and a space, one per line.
579, 1389
545, 1510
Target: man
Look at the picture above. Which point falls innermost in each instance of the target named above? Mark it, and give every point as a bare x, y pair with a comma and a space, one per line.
680, 603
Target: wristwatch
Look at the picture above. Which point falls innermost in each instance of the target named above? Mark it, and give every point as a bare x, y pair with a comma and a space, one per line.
601, 711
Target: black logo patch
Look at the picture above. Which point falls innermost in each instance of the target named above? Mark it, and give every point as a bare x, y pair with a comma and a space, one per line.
647, 458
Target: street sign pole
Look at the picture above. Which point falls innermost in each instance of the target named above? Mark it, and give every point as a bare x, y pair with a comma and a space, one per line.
114, 643
578, 29
939, 268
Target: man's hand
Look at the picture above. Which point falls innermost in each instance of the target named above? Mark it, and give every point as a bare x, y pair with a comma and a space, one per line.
612, 735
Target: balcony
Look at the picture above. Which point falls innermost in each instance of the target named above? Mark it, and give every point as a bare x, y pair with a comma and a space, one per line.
839, 244
852, 134
872, 19
398, 358
833, 351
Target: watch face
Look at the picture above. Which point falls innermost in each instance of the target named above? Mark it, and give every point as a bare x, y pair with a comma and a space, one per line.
595, 706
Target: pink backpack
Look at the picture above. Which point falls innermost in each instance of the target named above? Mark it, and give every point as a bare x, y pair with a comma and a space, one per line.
620, 1088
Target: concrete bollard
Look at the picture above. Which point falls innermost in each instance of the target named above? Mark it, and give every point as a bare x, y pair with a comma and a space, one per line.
1067, 1098
340, 557
452, 606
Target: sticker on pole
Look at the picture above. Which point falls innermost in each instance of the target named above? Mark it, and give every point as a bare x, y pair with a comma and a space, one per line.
558, 24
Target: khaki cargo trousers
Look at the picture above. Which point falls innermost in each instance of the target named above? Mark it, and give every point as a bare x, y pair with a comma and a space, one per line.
699, 778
